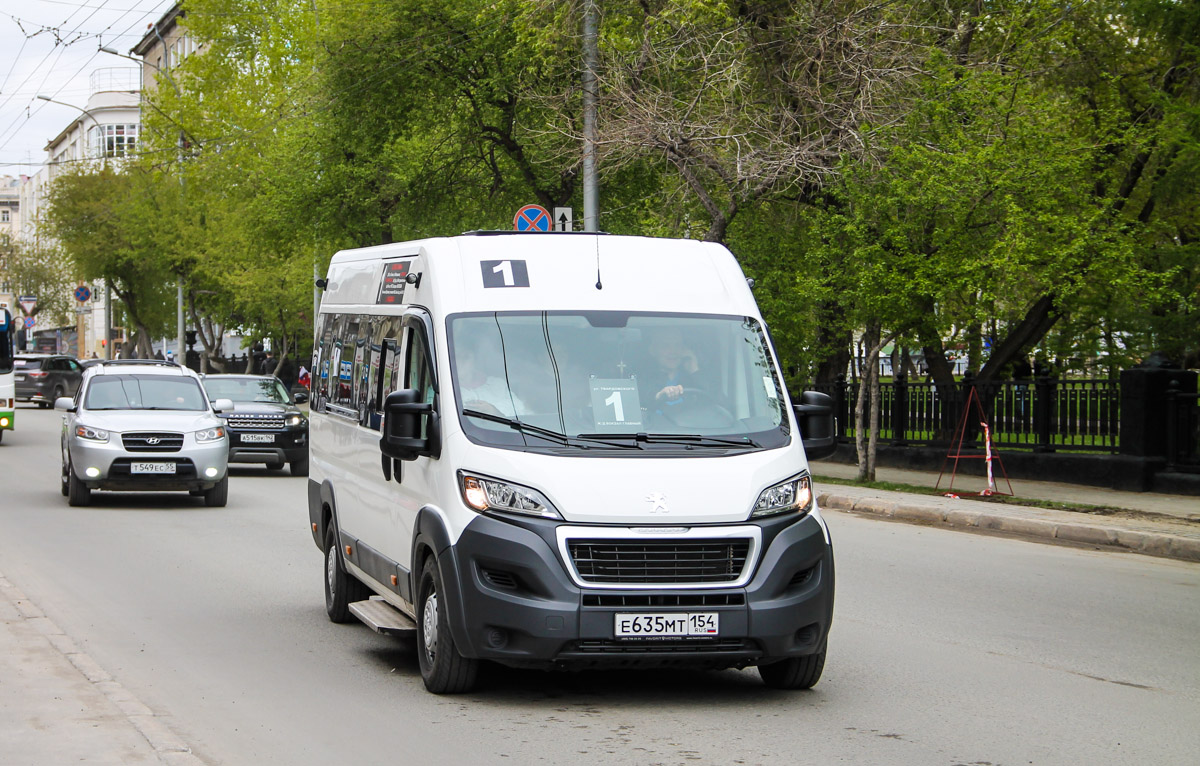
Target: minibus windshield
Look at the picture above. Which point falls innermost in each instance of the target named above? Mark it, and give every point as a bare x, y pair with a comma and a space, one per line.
616, 380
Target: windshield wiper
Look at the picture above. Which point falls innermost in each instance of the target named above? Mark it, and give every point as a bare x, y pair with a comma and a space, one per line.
517, 425
545, 433
686, 439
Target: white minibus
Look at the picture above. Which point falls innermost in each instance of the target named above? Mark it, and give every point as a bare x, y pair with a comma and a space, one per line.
565, 450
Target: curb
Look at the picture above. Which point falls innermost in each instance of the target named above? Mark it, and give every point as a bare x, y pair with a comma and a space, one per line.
168, 746
1148, 543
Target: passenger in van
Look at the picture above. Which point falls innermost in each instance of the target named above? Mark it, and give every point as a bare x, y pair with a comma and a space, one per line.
481, 383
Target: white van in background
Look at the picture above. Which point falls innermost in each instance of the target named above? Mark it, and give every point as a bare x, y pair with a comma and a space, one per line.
565, 451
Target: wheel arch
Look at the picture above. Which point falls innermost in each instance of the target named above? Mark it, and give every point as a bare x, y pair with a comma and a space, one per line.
430, 536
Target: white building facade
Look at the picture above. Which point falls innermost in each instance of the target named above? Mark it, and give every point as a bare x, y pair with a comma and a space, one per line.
105, 130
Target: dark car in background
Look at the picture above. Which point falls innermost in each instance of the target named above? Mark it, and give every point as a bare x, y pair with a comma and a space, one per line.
42, 378
265, 425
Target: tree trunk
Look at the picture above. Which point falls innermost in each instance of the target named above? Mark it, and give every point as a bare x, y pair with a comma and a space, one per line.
865, 436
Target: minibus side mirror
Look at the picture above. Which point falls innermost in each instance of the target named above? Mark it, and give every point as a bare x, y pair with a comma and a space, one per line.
403, 415
814, 413
300, 397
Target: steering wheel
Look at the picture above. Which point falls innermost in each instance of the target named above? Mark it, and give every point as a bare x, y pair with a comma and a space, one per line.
696, 408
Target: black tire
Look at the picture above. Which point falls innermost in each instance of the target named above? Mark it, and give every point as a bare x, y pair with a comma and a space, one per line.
78, 493
300, 467
218, 496
794, 673
65, 484
443, 669
341, 588
274, 466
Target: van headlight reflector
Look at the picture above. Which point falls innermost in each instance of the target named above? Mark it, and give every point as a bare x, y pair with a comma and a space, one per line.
485, 494
91, 434
795, 494
213, 434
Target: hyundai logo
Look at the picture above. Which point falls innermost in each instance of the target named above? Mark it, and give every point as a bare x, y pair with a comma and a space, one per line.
153, 440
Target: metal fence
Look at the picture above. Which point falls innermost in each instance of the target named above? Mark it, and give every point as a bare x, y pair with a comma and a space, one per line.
1045, 414
1183, 432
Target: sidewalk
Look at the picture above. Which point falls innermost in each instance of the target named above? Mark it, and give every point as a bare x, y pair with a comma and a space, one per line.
1142, 522
57, 706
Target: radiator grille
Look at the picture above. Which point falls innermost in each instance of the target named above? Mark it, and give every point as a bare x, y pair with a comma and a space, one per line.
263, 421
650, 563
148, 441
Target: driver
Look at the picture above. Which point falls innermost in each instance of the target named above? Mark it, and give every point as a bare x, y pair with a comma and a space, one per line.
481, 389
673, 368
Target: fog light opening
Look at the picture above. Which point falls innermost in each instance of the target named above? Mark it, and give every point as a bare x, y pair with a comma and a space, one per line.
497, 638
93, 472
210, 472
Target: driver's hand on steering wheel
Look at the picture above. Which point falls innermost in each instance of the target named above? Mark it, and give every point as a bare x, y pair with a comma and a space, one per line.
670, 393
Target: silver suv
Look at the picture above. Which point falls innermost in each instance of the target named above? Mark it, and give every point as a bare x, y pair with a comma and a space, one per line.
142, 425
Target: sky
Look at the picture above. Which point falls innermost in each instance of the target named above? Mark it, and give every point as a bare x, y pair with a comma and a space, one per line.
51, 47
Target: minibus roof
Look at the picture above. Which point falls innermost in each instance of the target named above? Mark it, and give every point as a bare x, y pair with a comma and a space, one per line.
491, 271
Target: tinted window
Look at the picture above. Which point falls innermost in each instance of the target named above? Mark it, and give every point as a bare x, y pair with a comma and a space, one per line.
28, 363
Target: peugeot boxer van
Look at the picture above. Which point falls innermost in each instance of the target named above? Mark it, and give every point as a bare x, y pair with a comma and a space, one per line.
565, 451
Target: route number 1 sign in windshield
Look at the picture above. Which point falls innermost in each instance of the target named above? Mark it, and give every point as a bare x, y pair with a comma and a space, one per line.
616, 405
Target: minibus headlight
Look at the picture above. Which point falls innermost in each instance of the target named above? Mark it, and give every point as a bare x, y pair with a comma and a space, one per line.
210, 435
91, 434
484, 494
793, 495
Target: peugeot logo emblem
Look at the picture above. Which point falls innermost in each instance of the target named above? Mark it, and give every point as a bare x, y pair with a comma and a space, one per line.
153, 440
659, 502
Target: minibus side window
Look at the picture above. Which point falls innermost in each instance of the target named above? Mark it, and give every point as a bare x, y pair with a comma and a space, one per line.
341, 368
319, 338
378, 379
416, 369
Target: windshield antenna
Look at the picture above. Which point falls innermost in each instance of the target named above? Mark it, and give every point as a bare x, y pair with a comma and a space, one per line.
599, 286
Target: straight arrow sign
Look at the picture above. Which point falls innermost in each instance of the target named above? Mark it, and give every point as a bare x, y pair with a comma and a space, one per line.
563, 219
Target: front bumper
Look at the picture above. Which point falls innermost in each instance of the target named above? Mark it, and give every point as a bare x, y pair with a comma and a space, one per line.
108, 465
287, 445
511, 600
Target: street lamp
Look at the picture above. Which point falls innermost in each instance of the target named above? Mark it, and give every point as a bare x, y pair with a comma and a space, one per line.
107, 288
170, 80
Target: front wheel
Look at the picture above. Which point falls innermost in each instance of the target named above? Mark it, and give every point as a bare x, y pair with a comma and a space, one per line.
78, 493
300, 467
794, 673
443, 669
341, 588
218, 496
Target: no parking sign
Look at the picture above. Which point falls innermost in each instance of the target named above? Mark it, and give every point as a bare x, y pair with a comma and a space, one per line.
532, 218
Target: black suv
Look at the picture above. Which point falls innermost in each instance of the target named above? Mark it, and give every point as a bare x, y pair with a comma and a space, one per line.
265, 426
43, 378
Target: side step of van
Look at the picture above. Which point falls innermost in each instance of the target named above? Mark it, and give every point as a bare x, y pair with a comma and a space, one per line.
382, 617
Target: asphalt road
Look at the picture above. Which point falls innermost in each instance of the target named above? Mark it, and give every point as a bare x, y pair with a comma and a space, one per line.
947, 648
